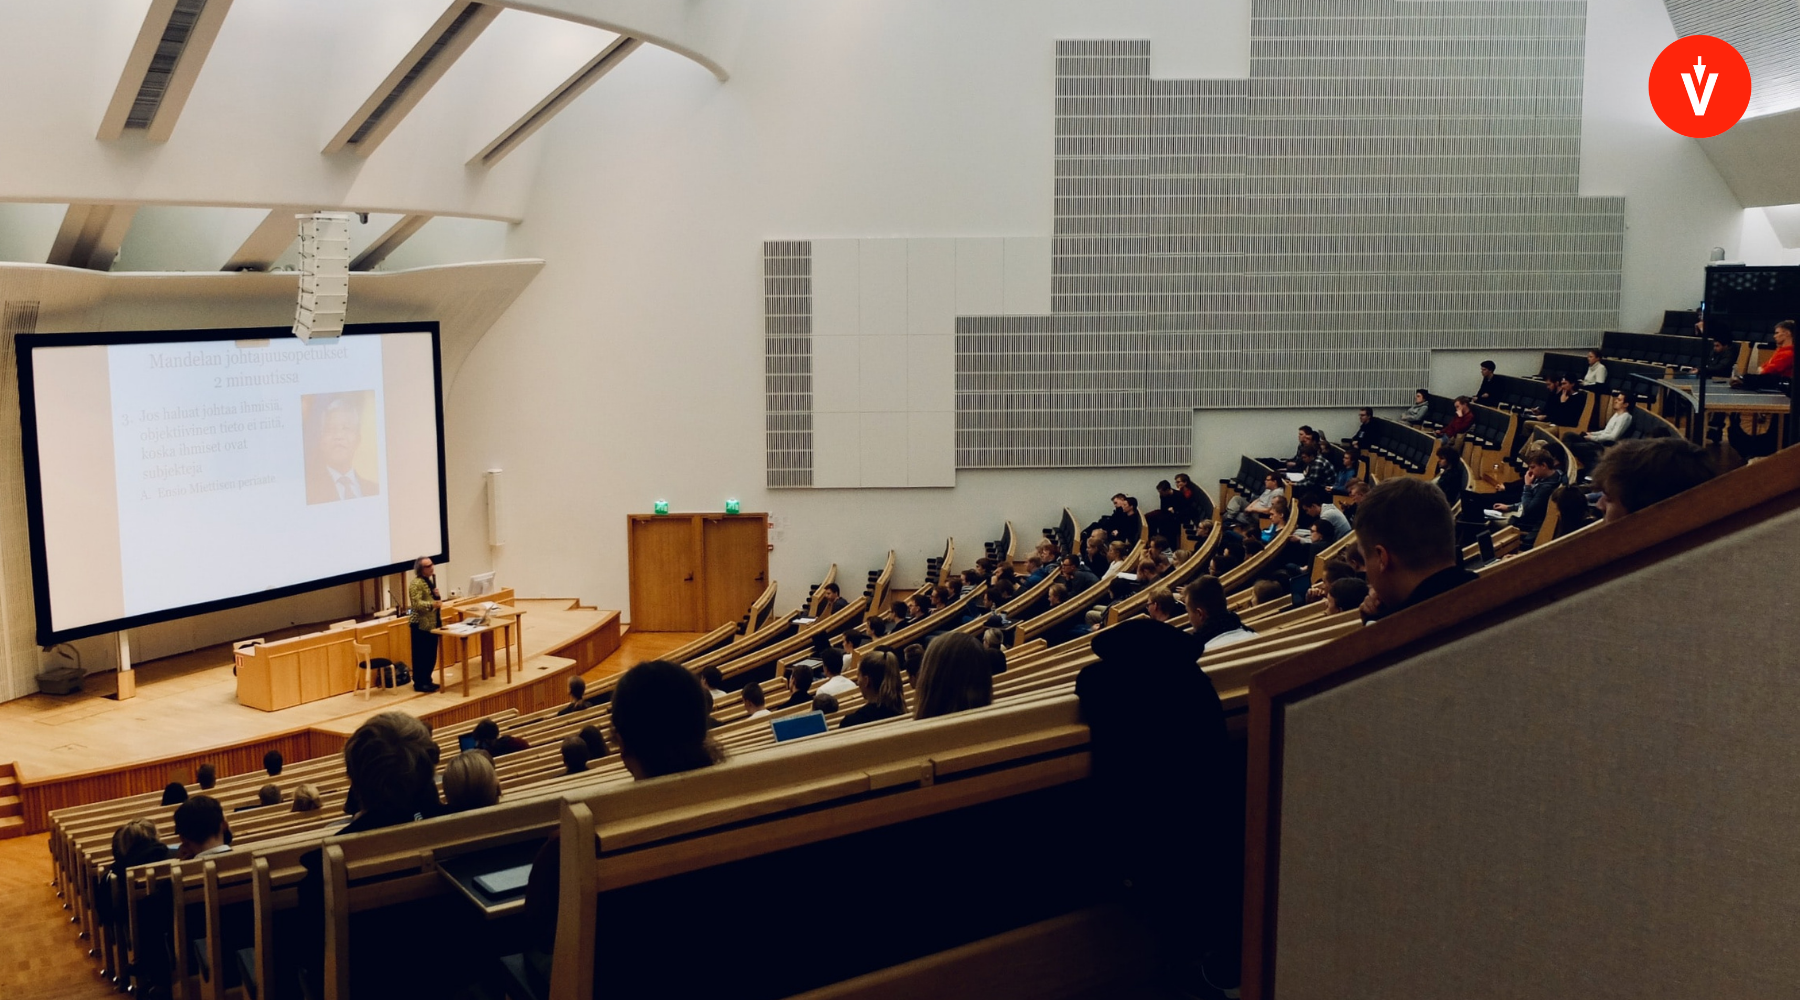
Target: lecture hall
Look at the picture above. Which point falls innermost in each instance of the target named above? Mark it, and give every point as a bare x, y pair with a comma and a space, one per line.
874, 499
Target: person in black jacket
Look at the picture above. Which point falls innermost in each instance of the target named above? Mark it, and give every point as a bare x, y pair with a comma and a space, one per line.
1121, 524
800, 678
1541, 480
1453, 476
1172, 797
1486, 394
878, 675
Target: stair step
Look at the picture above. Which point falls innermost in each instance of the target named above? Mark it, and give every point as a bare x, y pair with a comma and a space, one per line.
11, 826
9, 785
10, 805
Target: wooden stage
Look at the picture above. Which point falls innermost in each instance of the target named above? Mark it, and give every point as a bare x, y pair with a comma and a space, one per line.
88, 747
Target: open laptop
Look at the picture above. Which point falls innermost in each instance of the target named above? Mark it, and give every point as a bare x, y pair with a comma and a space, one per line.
810, 724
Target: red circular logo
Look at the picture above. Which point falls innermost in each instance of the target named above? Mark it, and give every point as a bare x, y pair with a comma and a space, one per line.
1700, 86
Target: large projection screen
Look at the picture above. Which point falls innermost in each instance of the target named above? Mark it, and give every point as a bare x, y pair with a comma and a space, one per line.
172, 473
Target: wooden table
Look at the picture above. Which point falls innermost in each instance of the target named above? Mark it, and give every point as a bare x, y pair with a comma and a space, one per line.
503, 619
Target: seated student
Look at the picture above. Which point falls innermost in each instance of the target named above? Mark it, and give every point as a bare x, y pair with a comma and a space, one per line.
1279, 512
1464, 419
1194, 505
574, 755
1453, 475
799, 685
1364, 431
878, 675
1721, 359
200, 823
1346, 594
1621, 426
1355, 492
1035, 569
487, 737
920, 604
1315, 505
1119, 522
754, 701
1541, 479
1244, 510
659, 716
1485, 393
267, 795
1267, 591
470, 782
1304, 436
835, 681
1636, 474
1596, 371
388, 760
137, 843
1215, 625
971, 578
1572, 510
1317, 470
1780, 366
1093, 551
826, 703
1076, 577
994, 641
1566, 402
1335, 570
1415, 414
1406, 537
715, 682
577, 692
1163, 607
901, 613
831, 600
206, 776
1115, 555
596, 742
272, 763
1349, 467
306, 798
957, 675
912, 660
174, 794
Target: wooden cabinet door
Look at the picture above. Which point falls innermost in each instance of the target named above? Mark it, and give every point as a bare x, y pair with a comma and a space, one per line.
736, 566
665, 568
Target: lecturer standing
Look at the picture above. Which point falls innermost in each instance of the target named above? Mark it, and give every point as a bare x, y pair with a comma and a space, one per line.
422, 599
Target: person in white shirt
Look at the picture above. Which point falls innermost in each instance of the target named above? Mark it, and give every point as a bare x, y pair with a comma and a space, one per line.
1596, 373
835, 681
1587, 447
753, 702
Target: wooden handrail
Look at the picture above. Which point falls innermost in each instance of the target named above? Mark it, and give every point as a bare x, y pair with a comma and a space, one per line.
1080, 603
818, 594
1192, 569
1243, 576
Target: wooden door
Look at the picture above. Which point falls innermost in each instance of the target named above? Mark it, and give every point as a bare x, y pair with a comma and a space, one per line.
665, 569
736, 565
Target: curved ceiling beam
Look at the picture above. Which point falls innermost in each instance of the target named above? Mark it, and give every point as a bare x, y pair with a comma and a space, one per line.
407, 83
564, 95
163, 65
705, 31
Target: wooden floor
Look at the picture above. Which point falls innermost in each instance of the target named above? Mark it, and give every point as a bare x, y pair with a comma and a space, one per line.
188, 703
41, 957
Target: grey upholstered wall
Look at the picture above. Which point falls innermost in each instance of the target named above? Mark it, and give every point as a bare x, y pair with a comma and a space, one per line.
1395, 176
1597, 799
1765, 32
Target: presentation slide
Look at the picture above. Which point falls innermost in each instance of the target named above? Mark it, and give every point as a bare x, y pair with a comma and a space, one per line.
174, 477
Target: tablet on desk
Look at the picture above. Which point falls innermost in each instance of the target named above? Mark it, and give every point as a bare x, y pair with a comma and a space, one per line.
504, 881
810, 724
1492, 514
467, 742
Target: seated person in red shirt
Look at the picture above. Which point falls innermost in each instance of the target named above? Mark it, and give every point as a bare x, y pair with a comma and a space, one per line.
1464, 419
1780, 366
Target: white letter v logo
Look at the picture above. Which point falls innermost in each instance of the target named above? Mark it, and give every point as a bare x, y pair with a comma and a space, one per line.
1695, 97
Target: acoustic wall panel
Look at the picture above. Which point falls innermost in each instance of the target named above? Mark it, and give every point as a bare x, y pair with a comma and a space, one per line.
787, 362
1765, 32
1395, 176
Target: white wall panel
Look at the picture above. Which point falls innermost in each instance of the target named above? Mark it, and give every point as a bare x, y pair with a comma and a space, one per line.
931, 443
837, 450
1027, 290
837, 374
836, 288
884, 450
980, 276
930, 287
884, 374
883, 281
931, 374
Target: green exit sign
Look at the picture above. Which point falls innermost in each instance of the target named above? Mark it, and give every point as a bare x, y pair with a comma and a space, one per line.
662, 507
731, 506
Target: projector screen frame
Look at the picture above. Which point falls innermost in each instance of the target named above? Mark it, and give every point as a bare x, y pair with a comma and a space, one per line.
25, 343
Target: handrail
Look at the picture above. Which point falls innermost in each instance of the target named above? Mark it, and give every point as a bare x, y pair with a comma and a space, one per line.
1246, 574
818, 594
759, 609
878, 593
771, 631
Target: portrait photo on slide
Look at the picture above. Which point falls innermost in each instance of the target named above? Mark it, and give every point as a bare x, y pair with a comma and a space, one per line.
339, 435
